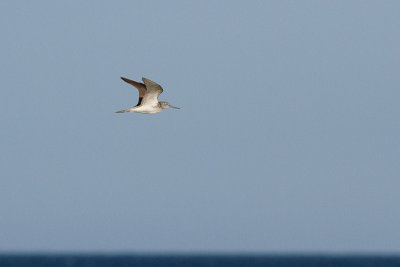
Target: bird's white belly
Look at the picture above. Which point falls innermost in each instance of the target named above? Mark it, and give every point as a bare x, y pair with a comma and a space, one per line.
147, 109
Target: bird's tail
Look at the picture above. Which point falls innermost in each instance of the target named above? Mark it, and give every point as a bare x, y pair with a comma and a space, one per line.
123, 111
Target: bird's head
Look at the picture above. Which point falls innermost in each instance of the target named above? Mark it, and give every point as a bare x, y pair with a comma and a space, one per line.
165, 105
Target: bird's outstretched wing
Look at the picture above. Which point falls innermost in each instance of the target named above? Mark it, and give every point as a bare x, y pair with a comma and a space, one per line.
140, 86
153, 90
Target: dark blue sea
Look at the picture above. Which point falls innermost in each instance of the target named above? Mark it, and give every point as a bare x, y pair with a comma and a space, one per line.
194, 261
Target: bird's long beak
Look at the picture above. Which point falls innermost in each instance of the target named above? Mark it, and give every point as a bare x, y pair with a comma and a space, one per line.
173, 107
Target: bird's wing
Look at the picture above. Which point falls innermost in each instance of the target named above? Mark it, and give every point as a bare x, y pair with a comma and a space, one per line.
152, 92
140, 86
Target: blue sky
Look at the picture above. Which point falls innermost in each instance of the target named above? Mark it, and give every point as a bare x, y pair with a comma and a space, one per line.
287, 140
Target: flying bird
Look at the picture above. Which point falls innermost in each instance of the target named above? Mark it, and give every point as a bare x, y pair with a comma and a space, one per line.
148, 97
